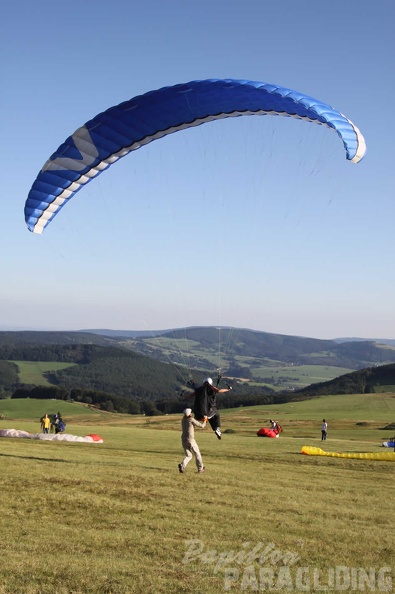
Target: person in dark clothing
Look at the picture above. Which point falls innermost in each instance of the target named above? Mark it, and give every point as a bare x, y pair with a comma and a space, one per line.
205, 404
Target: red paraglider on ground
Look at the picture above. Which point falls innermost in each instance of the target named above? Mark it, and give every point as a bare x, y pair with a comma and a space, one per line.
265, 432
95, 437
274, 430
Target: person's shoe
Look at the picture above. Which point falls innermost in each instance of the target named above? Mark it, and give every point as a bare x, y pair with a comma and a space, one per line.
202, 469
180, 468
218, 432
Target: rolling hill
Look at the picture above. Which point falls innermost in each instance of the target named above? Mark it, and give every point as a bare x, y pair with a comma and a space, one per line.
243, 353
160, 365
203, 344
364, 381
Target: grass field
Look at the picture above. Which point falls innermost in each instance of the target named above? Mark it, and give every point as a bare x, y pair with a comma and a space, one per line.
118, 517
31, 372
298, 376
30, 409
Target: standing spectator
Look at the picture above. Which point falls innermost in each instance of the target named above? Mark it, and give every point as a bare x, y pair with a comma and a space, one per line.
324, 430
46, 423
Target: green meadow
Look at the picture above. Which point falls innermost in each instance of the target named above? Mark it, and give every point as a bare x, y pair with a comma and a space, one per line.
299, 376
118, 518
32, 372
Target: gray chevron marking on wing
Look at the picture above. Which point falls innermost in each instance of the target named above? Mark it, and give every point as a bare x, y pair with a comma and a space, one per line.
84, 144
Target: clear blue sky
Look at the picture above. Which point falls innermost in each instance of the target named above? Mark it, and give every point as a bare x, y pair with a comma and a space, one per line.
255, 222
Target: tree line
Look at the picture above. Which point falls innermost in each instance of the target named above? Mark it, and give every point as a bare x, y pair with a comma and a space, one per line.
113, 403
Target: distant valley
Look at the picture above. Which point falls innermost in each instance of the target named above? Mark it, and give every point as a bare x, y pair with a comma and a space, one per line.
165, 361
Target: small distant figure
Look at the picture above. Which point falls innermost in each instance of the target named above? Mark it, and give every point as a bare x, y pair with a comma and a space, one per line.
324, 430
188, 441
46, 423
54, 423
58, 423
273, 425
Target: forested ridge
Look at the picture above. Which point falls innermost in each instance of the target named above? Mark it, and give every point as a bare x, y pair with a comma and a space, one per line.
112, 375
364, 381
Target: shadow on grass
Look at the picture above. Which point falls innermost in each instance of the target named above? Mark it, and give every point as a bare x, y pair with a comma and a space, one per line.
78, 462
38, 458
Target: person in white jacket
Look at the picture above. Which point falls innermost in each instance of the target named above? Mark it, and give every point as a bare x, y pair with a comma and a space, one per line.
324, 430
191, 448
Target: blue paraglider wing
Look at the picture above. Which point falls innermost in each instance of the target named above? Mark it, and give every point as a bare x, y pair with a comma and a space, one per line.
123, 128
